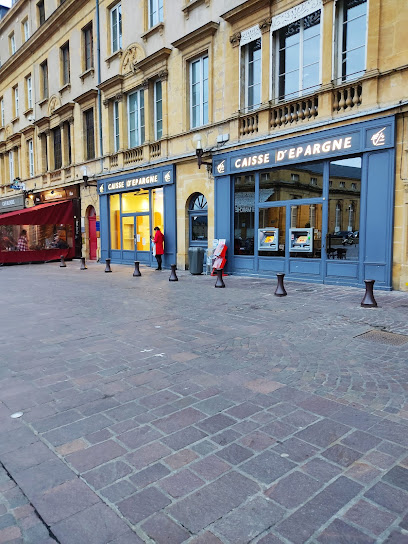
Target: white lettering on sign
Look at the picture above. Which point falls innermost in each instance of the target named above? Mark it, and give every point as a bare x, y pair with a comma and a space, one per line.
313, 149
8, 203
252, 160
147, 180
116, 185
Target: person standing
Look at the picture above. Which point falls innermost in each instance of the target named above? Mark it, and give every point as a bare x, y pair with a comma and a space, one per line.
22, 244
159, 245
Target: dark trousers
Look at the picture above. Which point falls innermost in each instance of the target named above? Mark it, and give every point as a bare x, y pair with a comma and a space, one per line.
159, 262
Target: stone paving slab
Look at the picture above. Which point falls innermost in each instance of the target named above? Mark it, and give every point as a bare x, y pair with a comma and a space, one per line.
152, 414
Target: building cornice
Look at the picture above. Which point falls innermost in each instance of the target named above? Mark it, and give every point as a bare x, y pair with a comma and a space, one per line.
244, 10
203, 32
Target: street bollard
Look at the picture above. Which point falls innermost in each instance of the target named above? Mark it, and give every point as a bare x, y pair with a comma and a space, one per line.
62, 265
82, 267
280, 289
220, 282
369, 300
107, 267
136, 272
173, 275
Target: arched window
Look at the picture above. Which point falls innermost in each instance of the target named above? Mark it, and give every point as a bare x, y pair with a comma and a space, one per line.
198, 220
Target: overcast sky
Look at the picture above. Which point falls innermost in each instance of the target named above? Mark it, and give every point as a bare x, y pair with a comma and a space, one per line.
5, 3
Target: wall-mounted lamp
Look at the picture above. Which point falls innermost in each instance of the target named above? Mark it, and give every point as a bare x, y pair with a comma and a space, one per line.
200, 152
85, 178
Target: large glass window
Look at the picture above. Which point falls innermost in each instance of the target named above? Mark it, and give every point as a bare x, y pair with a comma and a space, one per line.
252, 74
291, 183
88, 47
65, 65
30, 158
273, 218
351, 38
155, 12
199, 92
158, 208
244, 215
298, 56
198, 216
90, 134
114, 204
128, 233
116, 126
57, 148
136, 118
343, 233
135, 202
44, 79
158, 110
305, 235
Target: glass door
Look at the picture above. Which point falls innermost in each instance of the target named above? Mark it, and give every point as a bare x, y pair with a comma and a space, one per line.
143, 238
128, 238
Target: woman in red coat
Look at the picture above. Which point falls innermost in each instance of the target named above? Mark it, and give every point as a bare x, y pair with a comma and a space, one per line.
158, 242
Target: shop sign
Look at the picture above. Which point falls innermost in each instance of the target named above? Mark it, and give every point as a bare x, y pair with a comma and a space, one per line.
12, 204
154, 179
66, 193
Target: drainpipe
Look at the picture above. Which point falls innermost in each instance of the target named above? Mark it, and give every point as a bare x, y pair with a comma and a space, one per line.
98, 69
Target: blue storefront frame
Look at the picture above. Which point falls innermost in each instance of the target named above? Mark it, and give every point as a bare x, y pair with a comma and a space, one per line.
161, 177
374, 142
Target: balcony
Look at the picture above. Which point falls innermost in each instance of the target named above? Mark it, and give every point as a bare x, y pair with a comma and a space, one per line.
133, 156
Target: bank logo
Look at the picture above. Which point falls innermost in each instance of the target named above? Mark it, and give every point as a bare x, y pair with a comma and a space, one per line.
101, 188
167, 177
379, 137
221, 167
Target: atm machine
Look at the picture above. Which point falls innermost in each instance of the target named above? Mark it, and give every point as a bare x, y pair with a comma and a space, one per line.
301, 240
268, 239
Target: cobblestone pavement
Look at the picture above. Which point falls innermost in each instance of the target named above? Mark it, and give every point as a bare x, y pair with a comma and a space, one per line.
173, 412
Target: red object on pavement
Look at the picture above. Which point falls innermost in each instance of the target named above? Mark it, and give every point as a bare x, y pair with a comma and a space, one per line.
219, 258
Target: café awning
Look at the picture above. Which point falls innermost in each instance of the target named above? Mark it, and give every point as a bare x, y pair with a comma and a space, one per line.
51, 213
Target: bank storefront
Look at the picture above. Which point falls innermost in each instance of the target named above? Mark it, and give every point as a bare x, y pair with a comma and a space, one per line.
318, 208
131, 205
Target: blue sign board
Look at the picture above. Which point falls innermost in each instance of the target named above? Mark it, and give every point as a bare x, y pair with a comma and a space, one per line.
137, 180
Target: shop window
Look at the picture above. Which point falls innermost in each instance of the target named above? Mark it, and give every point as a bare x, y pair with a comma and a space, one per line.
35, 237
298, 57
135, 202
199, 92
114, 216
252, 69
41, 12
344, 210
136, 118
89, 134
272, 233
158, 110
305, 234
65, 64
244, 215
158, 208
198, 220
155, 12
284, 184
351, 19
57, 148
116, 28
87, 34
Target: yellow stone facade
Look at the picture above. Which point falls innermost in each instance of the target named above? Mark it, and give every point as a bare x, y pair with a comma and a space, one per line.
163, 51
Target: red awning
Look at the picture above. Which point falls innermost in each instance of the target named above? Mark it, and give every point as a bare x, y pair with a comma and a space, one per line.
52, 213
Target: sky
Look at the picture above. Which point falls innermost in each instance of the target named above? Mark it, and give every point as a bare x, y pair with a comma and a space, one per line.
5, 3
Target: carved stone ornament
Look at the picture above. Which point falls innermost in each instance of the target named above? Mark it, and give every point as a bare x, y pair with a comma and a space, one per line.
145, 84
133, 54
163, 75
53, 104
106, 103
265, 25
294, 14
8, 131
119, 97
235, 39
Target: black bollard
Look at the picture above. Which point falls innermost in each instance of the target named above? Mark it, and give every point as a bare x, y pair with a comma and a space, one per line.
62, 265
280, 289
173, 275
136, 272
82, 267
107, 267
220, 282
369, 300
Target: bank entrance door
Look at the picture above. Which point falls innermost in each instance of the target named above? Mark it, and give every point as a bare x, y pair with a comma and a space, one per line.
136, 238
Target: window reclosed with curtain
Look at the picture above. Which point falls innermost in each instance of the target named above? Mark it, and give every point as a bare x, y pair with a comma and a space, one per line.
90, 134
299, 57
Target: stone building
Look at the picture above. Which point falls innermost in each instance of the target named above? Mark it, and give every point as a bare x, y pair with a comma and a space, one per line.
236, 120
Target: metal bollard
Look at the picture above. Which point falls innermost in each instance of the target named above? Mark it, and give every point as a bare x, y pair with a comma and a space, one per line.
136, 272
82, 267
173, 275
220, 282
368, 299
280, 289
62, 265
107, 267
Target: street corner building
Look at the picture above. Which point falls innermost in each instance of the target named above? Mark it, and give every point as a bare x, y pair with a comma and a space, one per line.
278, 126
